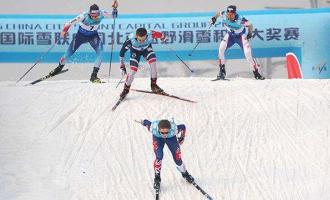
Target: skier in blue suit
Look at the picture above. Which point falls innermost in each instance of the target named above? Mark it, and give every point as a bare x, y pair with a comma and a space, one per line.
87, 32
165, 132
239, 30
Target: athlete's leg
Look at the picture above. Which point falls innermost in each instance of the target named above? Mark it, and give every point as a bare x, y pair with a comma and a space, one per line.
158, 145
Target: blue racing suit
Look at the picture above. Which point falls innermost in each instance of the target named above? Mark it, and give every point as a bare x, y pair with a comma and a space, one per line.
170, 139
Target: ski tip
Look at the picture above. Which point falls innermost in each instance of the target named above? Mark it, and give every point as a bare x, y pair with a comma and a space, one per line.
220, 79
157, 191
114, 108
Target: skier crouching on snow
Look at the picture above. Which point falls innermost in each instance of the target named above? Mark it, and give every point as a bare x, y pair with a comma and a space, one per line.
164, 132
239, 30
87, 32
139, 44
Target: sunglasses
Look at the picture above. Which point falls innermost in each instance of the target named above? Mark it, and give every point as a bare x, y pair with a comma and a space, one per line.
164, 133
230, 10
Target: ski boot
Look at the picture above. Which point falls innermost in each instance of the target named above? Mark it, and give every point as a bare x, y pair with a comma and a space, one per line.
155, 88
124, 92
222, 72
257, 75
188, 177
56, 70
94, 78
157, 181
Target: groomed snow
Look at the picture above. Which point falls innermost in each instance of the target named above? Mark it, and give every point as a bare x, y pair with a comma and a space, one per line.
246, 139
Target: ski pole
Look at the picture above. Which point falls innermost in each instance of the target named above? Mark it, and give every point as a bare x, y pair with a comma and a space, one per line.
120, 81
114, 15
192, 71
38, 60
200, 41
140, 122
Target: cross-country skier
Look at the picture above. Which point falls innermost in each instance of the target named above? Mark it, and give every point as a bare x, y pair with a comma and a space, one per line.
139, 44
165, 132
239, 30
87, 32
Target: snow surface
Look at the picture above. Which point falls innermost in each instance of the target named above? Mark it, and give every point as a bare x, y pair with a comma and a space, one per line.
246, 139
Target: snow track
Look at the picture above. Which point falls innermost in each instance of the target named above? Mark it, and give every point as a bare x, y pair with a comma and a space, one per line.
246, 139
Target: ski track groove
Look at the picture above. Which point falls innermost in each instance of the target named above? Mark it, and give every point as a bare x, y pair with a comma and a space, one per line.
123, 176
326, 166
248, 100
84, 133
107, 132
44, 93
79, 138
295, 115
220, 116
204, 131
293, 143
133, 149
247, 180
148, 142
244, 116
64, 117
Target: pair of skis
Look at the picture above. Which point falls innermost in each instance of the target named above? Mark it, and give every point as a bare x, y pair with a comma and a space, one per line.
52, 75
201, 190
47, 77
157, 191
150, 92
220, 79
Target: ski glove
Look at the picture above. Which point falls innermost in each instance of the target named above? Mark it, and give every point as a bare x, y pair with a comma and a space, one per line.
64, 34
123, 69
114, 13
182, 131
146, 123
122, 66
115, 4
181, 139
249, 36
213, 20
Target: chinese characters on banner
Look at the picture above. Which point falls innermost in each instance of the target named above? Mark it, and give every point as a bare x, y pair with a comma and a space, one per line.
175, 36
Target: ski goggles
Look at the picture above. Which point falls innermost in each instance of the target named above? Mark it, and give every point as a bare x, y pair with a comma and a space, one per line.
164, 133
231, 10
94, 13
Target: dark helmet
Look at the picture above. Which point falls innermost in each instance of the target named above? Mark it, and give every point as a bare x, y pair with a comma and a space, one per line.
94, 8
231, 8
164, 123
141, 32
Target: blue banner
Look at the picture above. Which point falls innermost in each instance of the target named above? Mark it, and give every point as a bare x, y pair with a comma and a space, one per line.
24, 38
